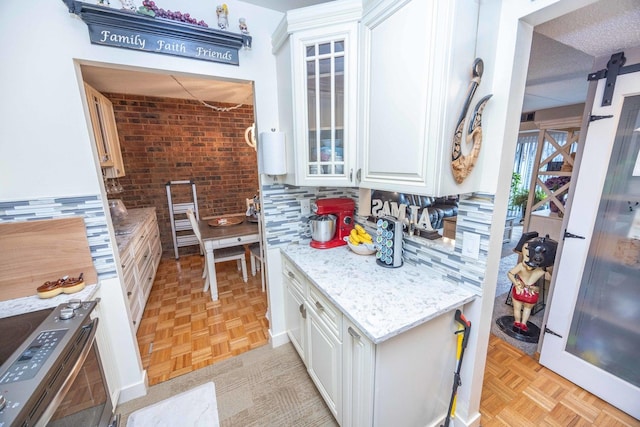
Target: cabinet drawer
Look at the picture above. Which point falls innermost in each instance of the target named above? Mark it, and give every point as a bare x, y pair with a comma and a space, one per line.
325, 311
235, 240
156, 251
151, 228
126, 260
294, 277
135, 306
129, 278
146, 281
143, 257
140, 243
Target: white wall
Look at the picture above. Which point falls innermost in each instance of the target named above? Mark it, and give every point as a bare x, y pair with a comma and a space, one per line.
504, 42
44, 135
45, 148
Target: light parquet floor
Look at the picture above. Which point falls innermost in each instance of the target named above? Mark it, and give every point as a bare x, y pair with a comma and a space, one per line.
518, 391
182, 329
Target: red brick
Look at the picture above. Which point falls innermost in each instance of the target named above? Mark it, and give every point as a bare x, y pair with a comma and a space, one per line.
160, 137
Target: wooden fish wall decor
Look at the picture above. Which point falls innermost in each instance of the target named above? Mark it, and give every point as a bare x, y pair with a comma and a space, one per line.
462, 165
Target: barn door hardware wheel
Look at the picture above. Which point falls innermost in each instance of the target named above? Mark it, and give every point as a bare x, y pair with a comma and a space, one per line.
568, 235
615, 68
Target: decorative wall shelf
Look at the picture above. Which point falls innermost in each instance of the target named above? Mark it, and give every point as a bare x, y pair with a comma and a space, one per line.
130, 30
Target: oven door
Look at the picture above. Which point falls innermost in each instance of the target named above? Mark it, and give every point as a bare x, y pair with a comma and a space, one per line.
82, 398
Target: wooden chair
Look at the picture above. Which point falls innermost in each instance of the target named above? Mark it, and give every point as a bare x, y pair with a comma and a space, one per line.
236, 253
255, 249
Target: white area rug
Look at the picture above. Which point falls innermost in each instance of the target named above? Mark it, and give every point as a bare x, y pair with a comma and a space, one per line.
193, 408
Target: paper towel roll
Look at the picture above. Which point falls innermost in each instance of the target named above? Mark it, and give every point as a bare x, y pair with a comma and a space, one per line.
273, 153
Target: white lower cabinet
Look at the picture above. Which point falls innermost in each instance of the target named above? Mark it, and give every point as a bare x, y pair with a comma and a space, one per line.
139, 260
295, 311
324, 354
358, 359
404, 380
314, 327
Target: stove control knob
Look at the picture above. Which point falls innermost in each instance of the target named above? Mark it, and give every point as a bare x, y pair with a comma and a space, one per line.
67, 313
74, 304
3, 402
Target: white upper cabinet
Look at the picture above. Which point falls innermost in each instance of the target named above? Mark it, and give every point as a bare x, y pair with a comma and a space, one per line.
105, 133
316, 52
416, 66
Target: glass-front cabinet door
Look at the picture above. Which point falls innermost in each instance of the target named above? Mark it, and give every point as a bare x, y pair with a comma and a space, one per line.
325, 86
325, 105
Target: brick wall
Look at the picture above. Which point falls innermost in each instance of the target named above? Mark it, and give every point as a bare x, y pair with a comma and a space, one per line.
164, 139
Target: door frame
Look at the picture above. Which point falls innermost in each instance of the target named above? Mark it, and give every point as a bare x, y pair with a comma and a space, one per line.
506, 51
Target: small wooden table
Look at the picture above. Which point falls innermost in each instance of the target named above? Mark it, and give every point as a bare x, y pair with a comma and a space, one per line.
224, 237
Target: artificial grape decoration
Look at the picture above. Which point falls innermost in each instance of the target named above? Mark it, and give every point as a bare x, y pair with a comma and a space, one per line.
150, 8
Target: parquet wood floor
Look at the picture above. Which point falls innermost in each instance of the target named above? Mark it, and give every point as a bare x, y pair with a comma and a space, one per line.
518, 391
182, 329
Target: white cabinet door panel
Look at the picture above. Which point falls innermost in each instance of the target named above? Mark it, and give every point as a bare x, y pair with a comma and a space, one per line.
325, 363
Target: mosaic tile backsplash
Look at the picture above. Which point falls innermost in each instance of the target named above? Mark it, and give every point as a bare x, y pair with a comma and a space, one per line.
285, 225
89, 207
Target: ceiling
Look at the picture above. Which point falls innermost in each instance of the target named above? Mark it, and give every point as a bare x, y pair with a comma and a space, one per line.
563, 50
562, 54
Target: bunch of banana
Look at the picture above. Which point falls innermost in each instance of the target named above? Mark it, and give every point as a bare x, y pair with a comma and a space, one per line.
359, 235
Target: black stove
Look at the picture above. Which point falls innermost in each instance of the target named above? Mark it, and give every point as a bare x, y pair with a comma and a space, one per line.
16, 329
48, 362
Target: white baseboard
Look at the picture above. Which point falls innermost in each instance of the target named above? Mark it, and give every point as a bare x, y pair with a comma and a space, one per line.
278, 339
459, 422
135, 390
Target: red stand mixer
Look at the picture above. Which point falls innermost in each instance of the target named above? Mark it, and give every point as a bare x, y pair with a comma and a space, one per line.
333, 220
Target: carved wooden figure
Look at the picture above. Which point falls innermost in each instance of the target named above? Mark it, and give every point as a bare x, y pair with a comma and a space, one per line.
462, 165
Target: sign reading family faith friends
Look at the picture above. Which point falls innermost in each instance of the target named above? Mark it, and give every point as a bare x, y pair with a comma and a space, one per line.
130, 30
139, 40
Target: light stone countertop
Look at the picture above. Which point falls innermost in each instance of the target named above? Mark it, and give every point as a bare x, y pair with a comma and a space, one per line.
382, 302
126, 228
34, 303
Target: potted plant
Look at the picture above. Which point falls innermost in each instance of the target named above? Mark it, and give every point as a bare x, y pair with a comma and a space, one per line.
516, 179
554, 184
521, 197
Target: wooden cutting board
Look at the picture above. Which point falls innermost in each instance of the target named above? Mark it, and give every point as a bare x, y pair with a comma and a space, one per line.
33, 252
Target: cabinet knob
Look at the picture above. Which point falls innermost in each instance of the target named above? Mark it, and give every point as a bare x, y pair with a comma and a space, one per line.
353, 333
290, 274
239, 239
303, 311
129, 293
319, 306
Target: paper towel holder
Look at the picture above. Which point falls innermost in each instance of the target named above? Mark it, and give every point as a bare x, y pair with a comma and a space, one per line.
272, 149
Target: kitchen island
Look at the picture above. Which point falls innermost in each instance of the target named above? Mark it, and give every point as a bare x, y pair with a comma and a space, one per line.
379, 343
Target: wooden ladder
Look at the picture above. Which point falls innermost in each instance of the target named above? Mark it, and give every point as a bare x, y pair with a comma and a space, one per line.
181, 229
